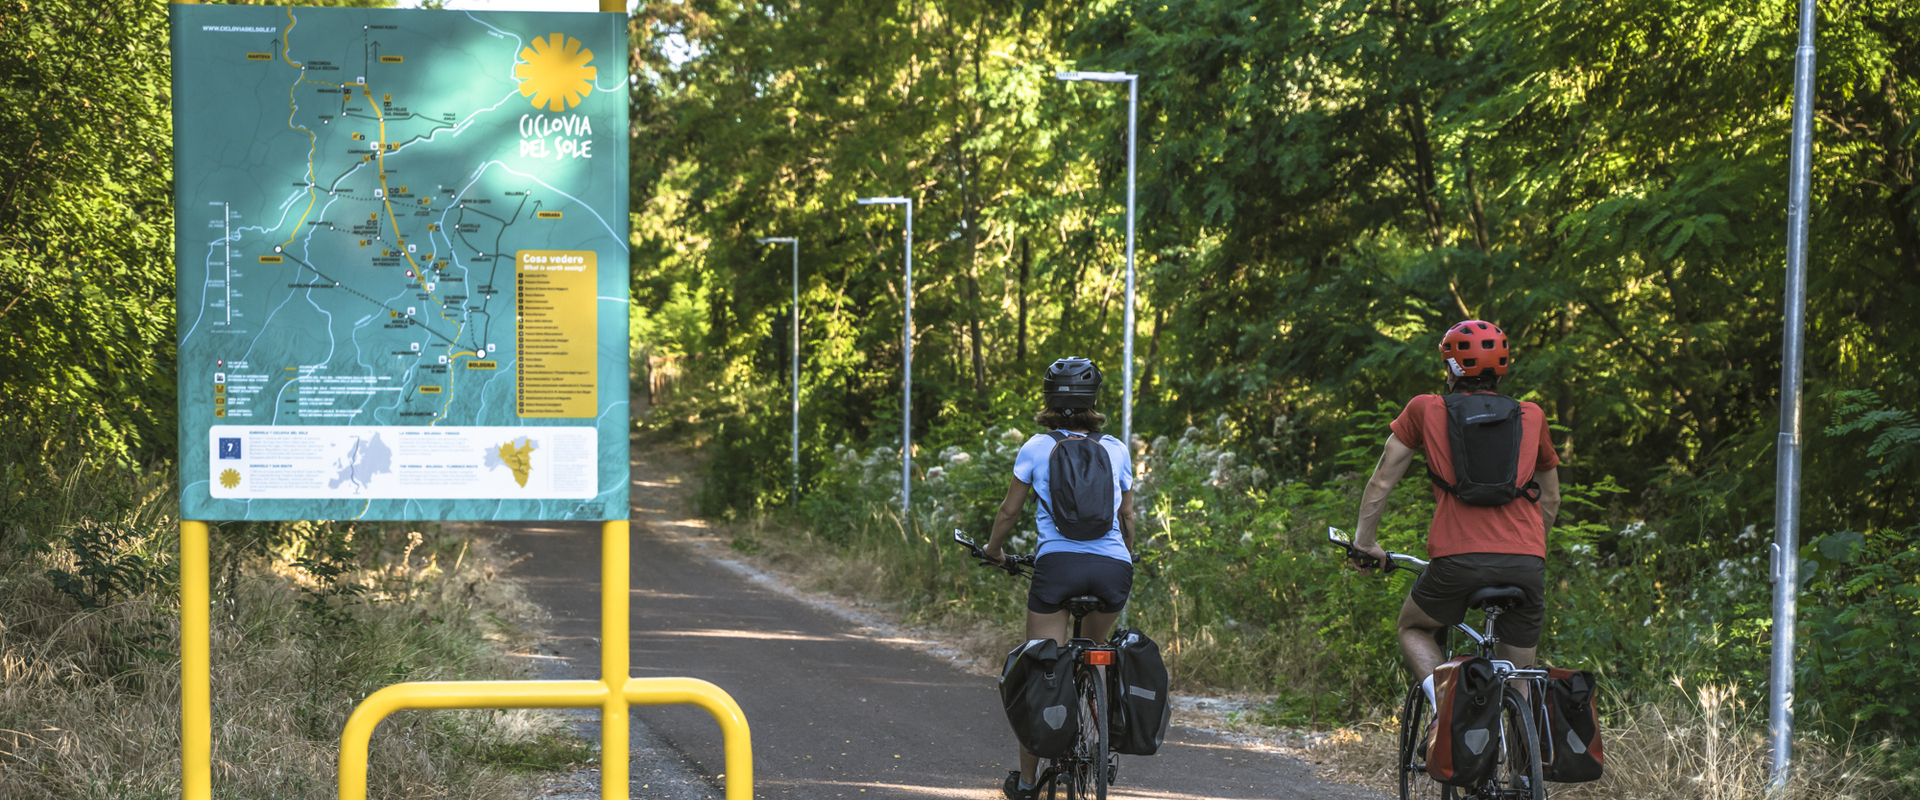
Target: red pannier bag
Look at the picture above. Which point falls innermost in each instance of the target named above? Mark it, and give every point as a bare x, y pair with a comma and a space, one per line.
1464, 746
1570, 745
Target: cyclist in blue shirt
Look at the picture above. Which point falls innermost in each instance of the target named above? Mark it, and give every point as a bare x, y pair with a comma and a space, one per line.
1066, 567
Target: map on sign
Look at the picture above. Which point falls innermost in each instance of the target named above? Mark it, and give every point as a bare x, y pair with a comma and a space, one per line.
402, 263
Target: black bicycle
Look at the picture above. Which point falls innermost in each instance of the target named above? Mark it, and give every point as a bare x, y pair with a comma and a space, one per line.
1085, 773
1517, 775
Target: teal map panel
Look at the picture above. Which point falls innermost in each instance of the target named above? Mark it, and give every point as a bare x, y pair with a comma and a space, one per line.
402, 263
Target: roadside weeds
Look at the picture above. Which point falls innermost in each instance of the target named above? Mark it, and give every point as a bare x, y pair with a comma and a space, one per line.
89, 699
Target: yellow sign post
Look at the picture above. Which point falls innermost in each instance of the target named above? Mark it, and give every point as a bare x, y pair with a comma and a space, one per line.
554, 378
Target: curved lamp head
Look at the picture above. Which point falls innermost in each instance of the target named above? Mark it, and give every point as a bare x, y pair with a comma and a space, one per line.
777, 240
1100, 77
884, 201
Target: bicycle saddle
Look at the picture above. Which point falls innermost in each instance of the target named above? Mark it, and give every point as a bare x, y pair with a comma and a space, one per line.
1505, 597
1083, 605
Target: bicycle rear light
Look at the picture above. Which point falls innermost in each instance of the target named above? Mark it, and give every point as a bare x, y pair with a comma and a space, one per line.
1100, 657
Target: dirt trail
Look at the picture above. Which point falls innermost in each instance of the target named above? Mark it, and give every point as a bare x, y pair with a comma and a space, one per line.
838, 708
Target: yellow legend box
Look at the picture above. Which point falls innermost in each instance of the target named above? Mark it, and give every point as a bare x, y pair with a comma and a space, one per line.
558, 332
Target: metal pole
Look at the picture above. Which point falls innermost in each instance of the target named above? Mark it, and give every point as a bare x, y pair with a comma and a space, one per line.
615, 658
796, 372
1126, 413
196, 665
1786, 504
906, 382
906, 391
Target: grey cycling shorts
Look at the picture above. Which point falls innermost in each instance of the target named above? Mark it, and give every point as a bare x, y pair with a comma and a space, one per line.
1442, 591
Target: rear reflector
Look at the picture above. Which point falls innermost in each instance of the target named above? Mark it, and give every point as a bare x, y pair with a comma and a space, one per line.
1103, 657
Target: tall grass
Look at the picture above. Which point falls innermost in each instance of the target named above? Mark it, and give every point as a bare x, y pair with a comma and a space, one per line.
307, 620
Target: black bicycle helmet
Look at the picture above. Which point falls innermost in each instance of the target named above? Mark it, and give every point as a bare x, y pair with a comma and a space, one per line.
1072, 383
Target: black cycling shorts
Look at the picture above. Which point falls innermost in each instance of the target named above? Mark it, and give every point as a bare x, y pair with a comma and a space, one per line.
1442, 591
1058, 577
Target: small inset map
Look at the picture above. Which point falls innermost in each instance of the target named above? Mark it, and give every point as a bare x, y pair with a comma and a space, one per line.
515, 455
365, 459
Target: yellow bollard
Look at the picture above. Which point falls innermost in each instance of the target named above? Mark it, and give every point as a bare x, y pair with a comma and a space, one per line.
449, 694
715, 701
196, 662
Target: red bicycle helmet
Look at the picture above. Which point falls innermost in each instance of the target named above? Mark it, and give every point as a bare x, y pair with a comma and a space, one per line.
1474, 348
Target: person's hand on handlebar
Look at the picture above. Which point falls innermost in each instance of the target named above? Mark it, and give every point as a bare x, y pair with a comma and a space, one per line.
1373, 549
992, 553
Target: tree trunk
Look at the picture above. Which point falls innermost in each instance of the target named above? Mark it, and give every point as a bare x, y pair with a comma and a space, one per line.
1153, 354
1026, 264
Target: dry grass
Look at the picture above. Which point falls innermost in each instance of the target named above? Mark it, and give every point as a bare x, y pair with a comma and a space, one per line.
89, 699
1699, 744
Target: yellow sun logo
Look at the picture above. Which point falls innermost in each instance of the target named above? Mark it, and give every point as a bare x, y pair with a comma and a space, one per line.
230, 478
556, 74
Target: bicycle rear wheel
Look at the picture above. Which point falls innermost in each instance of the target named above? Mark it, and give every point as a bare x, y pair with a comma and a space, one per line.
1087, 770
1519, 775
1415, 716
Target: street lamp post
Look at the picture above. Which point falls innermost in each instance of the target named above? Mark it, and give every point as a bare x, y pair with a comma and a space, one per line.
796, 357
1786, 504
1126, 372
906, 383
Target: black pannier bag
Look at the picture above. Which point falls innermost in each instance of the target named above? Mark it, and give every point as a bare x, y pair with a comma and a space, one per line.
1465, 745
1571, 739
1484, 431
1137, 694
1080, 480
1036, 688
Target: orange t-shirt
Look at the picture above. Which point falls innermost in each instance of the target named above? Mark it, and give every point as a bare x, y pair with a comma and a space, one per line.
1514, 528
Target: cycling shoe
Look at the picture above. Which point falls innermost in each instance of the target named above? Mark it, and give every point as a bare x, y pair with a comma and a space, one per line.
1013, 791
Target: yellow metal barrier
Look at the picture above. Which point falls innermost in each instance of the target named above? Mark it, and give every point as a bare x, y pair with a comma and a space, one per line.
614, 693
733, 723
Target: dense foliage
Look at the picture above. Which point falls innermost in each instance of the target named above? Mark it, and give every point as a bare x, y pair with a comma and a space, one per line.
1323, 186
86, 225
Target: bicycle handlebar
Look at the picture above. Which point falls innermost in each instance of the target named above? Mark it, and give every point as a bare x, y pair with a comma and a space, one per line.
1363, 560
1016, 565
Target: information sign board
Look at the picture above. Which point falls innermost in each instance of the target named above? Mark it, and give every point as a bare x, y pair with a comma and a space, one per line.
402, 263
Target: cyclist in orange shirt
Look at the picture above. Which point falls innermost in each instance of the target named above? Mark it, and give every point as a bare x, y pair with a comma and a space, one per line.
1475, 539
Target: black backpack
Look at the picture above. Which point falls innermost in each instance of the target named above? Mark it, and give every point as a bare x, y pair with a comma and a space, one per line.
1036, 689
1080, 478
1137, 694
1485, 433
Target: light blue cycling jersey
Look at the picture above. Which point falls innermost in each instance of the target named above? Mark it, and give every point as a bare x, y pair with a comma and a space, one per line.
1030, 467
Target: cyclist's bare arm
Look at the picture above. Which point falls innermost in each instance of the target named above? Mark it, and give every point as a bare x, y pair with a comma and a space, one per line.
1392, 467
1549, 496
1126, 520
1004, 519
